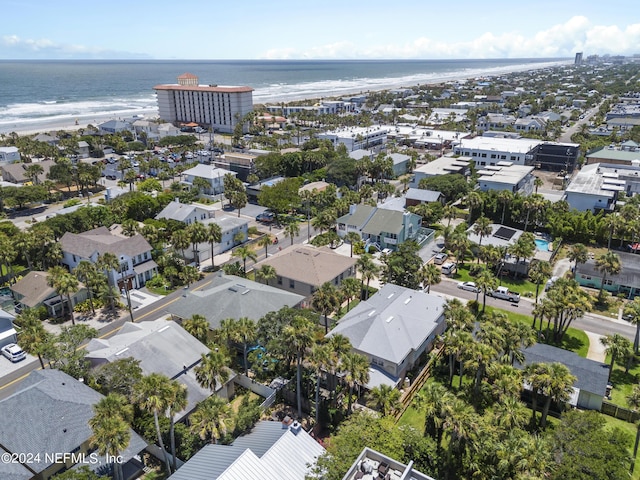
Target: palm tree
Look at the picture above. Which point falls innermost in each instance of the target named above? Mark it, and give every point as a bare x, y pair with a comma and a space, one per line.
198, 326
153, 394
214, 235
539, 271
578, 253
608, 264
632, 313
460, 245
180, 239
86, 272
265, 241
210, 418
266, 273
299, 336
538, 182
429, 275
213, 369
244, 252
474, 200
482, 228
292, 229
108, 262
350, 287
559, 390
197, 234
65, 284
617, 346
368, 270
8, 255
486, 282
322, 358
111, 436
244, 331
356, 369
385, 399
351, 238
176, 403
505, 197
33, 338
326, 300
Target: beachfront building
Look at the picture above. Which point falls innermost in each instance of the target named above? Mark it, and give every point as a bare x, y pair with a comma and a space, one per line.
355, 138
490, 150
329, 107
9, 154
214, 106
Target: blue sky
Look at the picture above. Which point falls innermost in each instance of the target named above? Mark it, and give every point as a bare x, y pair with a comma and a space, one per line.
310, 29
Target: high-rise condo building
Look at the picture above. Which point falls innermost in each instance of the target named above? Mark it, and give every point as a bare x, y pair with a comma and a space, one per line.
214, 106
578, 59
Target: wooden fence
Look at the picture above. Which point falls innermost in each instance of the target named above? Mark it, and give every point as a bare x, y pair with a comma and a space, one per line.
619, 412
418, 382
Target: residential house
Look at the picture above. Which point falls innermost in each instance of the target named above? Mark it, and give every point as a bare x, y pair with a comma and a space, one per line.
7, 330
9, 154
271, 451
83, 149
495, 121
160, 346
187, 213
254, 190
234, 230
114, 126
16, 172
303, 269
379, 227
212, 175
48, 418
167, 130
33, 291
133, 253
228, 296
400, 163
626, 282
613, 156
47, 138
375, 465
597, 186
530, 124
592, 377
393, 329
418, 196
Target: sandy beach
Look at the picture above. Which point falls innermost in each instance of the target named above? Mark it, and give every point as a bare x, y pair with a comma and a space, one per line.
39, 125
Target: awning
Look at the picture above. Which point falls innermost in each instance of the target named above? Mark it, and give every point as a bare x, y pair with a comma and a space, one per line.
378, 377
145, 267
7, 333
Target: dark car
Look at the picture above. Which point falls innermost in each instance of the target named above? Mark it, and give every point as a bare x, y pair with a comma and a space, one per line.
266, 217
111, 177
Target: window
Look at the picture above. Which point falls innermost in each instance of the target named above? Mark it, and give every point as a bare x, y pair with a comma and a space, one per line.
292, 284
279, 280
484, 155
493, 155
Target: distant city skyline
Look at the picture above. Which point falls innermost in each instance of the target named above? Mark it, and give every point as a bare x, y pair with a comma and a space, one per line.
376, 29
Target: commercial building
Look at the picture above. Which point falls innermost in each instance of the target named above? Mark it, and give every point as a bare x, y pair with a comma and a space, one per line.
215, 106
355, 138
490, 150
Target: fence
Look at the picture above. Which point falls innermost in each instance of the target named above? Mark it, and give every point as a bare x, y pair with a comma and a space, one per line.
619, 412
418, 382
257, 388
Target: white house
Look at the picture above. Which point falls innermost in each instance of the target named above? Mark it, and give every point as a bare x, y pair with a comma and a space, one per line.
596, 186
354, 138
186, 212
213, 175
133, 253
506, 176
9, 154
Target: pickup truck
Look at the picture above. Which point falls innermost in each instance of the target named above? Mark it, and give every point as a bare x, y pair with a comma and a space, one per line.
504, 294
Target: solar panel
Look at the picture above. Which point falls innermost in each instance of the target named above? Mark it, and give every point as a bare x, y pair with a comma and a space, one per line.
504, 233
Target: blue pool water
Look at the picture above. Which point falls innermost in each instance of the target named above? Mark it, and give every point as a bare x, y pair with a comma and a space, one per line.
542, 245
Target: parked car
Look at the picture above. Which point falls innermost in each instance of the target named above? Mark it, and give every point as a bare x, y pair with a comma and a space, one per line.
111, 177
13, 352
469, 287
448, 268
505, 294
266, 217
550, 283
439, 258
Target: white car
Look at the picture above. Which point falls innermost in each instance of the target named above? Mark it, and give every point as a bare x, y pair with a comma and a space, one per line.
469, 286
13, 352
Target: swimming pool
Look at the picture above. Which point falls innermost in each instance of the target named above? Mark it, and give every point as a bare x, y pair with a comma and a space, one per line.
542, 245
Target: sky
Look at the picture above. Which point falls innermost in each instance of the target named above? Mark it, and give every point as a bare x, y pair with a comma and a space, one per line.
311, 29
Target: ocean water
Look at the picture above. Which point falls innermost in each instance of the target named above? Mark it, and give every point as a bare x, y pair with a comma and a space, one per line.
63, 90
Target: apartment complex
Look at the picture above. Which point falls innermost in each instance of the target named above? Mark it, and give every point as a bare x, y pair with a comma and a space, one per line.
215, 106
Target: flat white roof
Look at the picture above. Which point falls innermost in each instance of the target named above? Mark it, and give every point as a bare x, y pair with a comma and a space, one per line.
513, 145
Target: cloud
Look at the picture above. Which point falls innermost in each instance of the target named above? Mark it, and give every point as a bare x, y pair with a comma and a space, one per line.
561, 40
12, 46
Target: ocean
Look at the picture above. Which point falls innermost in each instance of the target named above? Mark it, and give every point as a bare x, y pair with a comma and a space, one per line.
33, 92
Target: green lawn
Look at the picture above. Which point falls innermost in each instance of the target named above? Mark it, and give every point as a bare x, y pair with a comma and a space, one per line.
623, 382
522, 286
574, 340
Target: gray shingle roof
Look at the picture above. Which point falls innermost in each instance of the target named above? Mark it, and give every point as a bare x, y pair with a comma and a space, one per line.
176, 211
229, 296
101, 240
423, 195
161, 347
33, 288
591, 375
392, 323
50, 413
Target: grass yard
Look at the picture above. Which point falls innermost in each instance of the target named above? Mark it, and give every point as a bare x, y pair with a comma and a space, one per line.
623, 382
521, 285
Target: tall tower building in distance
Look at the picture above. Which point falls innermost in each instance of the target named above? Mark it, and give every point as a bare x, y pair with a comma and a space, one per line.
578, 60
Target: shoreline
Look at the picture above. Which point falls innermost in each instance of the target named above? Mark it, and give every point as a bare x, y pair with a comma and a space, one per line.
41, 125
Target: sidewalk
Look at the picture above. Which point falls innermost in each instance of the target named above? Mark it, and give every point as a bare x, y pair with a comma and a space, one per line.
596, 349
